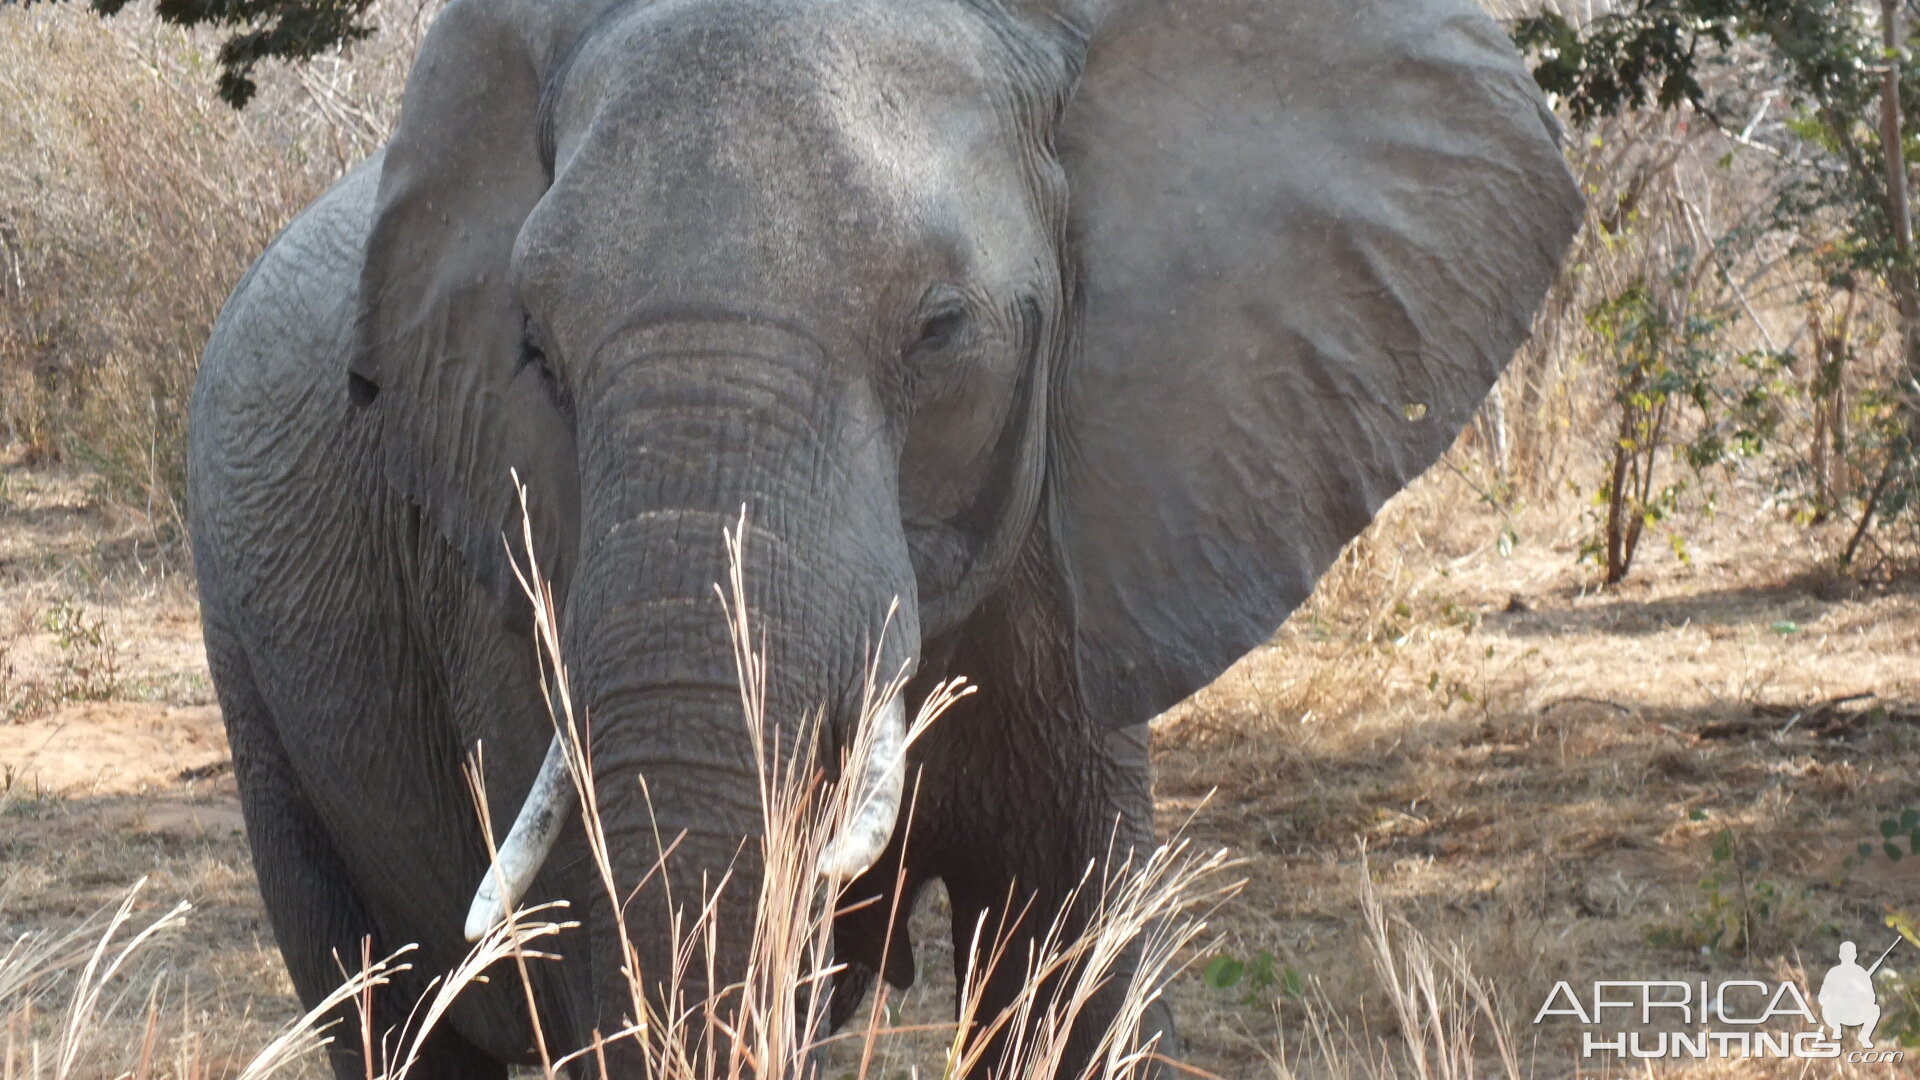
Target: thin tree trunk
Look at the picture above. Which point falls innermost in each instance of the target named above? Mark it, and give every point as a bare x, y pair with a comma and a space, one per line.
1899, 215
1823, 486
1843, 471
1899, 212
1616, 505
1495, 417
1631, 462
1906, 288
1866, 516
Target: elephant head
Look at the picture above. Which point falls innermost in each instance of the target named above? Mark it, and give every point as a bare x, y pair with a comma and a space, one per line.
1156, 301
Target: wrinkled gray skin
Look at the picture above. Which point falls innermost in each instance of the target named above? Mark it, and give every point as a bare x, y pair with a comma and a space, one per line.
1090, 331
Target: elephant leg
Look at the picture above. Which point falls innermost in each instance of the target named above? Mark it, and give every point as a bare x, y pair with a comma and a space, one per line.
1023, 867
319, 921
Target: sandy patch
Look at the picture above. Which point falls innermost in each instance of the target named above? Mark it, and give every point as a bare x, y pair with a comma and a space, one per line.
113, 748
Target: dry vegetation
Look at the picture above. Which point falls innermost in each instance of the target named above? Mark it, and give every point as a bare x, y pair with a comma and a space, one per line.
130, 201
1461, 733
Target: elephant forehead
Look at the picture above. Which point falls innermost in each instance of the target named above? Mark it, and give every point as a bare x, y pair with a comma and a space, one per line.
890, 87
754, 147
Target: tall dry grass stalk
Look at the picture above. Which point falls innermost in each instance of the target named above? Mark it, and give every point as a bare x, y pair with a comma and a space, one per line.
1145, 914
97, 982
1445, 1022
1140, 921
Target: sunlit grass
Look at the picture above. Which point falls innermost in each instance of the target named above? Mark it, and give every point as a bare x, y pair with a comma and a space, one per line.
1141, 922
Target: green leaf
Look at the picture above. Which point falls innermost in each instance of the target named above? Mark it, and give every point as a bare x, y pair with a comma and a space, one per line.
1893, 850
1904, 924
1260, 971
1889, 827
1679, 545
1223, 972
1785, 627
1292, 983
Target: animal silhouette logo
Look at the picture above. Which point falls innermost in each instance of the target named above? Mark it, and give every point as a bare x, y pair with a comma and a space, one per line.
1847, 998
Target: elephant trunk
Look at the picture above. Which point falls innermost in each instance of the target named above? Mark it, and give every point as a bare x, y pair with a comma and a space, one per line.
854, 847
687, 427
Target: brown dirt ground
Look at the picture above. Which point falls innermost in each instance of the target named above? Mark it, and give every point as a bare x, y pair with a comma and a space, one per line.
1531, 770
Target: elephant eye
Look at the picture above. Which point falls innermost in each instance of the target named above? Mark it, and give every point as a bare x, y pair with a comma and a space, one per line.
533, 352
532, 355
537, 360
939, 330
535, 356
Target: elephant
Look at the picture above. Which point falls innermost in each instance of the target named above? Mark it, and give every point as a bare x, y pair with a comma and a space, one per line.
1081, 335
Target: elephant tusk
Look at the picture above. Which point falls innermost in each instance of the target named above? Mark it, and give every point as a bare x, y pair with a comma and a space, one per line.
855, 847
882, 782
527, 844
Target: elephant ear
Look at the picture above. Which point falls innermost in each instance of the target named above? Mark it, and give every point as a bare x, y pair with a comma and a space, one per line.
1310, 235
440, 349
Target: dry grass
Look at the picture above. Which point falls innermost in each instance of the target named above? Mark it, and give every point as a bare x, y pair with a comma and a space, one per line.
131, 199
1542, 769
1527, 816
749, 1028
1157, 899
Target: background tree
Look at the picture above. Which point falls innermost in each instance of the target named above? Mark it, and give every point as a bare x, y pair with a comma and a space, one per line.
260, 30
1841, 70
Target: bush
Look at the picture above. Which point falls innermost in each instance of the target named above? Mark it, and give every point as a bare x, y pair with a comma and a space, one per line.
131, 200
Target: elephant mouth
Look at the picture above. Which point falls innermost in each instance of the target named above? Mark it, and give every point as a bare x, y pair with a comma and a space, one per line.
856, 844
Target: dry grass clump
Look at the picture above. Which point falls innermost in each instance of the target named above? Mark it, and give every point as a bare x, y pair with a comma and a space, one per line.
1450, 1024
1561, 823
1155, 902
1558, 780
88, 668
131, 200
